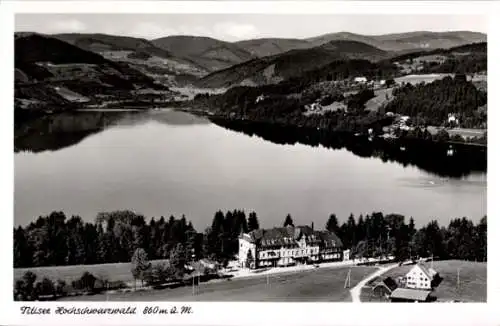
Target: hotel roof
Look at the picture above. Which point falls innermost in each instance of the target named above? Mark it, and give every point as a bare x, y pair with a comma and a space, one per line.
287, 236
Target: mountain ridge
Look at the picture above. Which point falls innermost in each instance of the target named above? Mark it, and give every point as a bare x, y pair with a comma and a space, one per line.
276, 68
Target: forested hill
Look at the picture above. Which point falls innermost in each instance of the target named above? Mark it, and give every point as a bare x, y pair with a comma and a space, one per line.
104, 42
207, 52
274, 69
480, 47
53, 74
35, 48
434, 101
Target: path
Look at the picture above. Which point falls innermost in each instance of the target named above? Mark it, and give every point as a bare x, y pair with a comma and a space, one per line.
356, 291
244, 272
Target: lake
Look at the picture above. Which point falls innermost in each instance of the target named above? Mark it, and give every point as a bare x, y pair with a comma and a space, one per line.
173, 163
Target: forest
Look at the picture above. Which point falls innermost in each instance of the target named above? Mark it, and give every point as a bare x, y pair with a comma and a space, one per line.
434, 101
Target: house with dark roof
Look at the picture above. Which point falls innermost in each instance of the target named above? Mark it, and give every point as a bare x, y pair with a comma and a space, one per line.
385, 287
286, 246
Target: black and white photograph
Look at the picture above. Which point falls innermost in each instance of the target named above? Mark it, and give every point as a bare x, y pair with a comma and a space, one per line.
177, 157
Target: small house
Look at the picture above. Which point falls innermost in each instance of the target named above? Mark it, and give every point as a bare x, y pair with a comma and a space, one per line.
346, 254
360, 80
385, 287
419, 277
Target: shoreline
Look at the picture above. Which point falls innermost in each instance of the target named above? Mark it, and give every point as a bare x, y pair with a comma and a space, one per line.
221, 117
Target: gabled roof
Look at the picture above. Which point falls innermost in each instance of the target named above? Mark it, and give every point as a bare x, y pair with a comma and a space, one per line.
430, 273
390, 283
329, 239
273, 237
387, 283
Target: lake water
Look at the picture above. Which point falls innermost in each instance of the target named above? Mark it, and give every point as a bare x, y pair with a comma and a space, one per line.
172, 163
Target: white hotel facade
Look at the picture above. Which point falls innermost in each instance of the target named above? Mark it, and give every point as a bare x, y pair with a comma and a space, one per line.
287, 246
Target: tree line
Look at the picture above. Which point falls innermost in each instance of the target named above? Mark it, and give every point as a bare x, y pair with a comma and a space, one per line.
378, 234
115, 237
55, 240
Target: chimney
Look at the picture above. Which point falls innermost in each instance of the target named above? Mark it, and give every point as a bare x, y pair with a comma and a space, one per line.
312, 226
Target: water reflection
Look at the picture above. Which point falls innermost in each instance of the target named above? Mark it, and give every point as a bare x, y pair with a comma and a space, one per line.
430, 157
57, 131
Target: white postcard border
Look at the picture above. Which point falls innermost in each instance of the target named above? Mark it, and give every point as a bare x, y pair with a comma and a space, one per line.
255, 313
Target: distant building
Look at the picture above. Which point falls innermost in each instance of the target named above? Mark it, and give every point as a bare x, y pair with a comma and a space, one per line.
452, 118
346, 254
286, 246
316, 107
419, 277
360, 80
260, 98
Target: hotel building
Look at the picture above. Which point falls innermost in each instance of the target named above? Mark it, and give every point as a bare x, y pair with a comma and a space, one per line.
287, 246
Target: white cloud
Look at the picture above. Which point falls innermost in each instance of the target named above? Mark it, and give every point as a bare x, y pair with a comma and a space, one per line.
149, 30
66, 26
235, 31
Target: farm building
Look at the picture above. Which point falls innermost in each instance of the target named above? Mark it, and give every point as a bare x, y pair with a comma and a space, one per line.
385, 287
410, 295
419, 277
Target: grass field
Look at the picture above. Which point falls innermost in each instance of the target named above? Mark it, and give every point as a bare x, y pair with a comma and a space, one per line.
110, 272
458, 131
382, 96
324, 284
417, 79
472, 281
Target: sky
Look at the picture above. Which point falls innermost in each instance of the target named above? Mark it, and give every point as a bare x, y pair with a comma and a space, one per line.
235, 27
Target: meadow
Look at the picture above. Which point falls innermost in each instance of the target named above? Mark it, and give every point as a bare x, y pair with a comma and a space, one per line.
109, 272
323, 284
417, 79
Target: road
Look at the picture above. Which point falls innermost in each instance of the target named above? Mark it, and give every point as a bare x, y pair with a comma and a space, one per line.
356, 291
